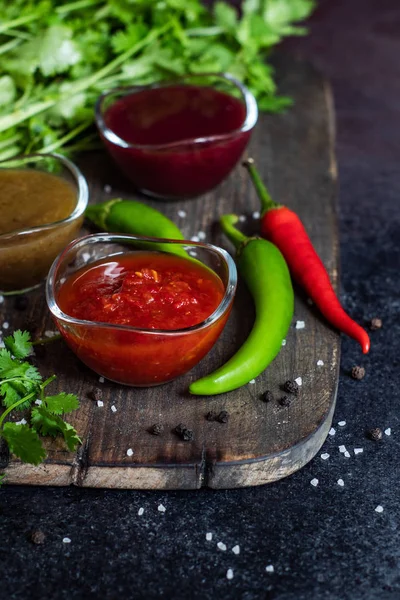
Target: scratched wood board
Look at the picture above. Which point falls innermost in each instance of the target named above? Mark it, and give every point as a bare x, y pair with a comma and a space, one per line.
262, 442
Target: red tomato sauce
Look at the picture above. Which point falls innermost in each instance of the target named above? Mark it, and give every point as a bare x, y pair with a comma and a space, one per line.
177, 113
148, 291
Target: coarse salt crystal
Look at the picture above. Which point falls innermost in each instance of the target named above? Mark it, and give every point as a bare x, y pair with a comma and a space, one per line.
100, 403
101, 379
342, 448
379, 508
161, 508
314, 482
48, 333
256, 214
208, 537
236, 549
340, 482
6, 325
107, 189
283, 342
129, 452
38, 402
229, 574
342, 423
140, 511
193, 253
1, 299
320, 363
113, 408
242, 218
270, 568
299, 381
252, 381
347, 454
66, 540
85, 256
21, 422
182, 214
202, 235
300, 324
325, 456
358, 450
332, 431
195, 238
221, 546
388, 431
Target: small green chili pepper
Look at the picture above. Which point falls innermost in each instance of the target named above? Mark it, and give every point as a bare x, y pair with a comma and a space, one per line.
266, 274
131, 216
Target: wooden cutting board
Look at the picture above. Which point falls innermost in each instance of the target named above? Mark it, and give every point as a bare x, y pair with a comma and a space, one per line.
261, 442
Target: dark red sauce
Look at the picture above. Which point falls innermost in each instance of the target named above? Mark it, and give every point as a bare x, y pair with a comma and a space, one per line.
177, 115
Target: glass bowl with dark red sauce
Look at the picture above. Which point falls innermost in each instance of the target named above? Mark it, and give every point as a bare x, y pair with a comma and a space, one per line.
138, 316
177, 139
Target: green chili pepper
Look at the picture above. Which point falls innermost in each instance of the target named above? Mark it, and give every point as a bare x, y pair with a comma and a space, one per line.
131, 216
266, 274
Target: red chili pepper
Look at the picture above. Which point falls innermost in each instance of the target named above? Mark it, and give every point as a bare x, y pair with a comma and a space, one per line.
284, 228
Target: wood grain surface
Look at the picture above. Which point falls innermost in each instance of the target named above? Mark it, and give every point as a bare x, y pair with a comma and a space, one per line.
262, 442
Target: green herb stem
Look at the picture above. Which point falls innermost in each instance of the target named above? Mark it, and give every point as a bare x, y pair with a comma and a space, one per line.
19, 21
66, 138
78, 5
13, 406
47, 340
10, 45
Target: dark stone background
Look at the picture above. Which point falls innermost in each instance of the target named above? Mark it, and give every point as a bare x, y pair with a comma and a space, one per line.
326, 541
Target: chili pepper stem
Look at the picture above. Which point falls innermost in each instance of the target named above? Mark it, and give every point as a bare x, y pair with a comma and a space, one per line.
234, 235
266, 201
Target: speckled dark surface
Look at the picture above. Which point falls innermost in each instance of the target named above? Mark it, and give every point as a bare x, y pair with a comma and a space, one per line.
326, 541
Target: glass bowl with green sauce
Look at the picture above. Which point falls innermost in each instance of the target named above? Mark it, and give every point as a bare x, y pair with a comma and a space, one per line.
43, 198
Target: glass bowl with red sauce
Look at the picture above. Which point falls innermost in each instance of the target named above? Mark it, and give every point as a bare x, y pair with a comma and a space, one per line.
138, 316
177, 139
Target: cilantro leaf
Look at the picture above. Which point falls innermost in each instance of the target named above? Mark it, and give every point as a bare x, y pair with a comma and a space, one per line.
14, 391
6, 362
225, 16
19, 343
46, 423
71, 437
24, 442
62, 403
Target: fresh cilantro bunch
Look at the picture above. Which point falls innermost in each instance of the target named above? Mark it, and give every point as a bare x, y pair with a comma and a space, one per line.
22, 389
57, 56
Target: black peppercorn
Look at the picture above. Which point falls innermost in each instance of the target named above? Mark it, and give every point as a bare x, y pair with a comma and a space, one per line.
223, 416
375, 324
357, 372
267, 396
285, 401
156, 429
37, 537
290, 387
95, 394
184, 433
375, 434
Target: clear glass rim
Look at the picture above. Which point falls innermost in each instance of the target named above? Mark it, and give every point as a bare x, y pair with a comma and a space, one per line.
95, 238
248, 123
82, 195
